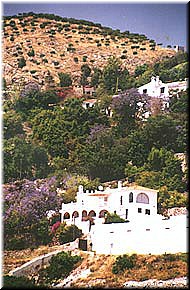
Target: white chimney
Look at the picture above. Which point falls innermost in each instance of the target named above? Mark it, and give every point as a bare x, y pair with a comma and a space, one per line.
157, 80
80, 190
119, 184
152, 79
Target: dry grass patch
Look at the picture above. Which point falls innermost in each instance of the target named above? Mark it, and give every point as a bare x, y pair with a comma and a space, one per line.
147, 267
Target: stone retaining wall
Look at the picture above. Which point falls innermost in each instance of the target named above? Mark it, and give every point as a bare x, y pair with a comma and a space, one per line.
37, 263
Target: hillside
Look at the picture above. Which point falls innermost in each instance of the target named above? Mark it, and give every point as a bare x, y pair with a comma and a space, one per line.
96, 270
38, 47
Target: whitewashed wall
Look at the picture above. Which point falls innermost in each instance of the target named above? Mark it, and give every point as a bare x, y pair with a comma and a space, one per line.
142, 237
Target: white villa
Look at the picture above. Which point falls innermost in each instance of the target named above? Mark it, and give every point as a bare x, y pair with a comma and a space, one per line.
128, 202
157, 89
144, 231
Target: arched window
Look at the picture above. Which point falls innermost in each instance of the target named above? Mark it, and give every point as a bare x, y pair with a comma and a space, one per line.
130, 197
84, 213
121, 200
66, 216
142, 198
92, 213
75, 214
102, 213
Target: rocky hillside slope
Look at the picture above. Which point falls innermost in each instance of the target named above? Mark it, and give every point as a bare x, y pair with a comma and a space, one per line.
38, 47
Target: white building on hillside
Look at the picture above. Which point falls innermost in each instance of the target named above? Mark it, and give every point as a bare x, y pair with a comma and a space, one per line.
145, 232
157, 89
128, 202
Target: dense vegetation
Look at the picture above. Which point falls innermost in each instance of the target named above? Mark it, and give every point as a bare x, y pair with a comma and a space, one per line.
10, 282
50, 144
59, 268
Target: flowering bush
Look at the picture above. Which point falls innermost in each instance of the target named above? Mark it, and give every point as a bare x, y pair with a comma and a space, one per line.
26, 204
55, 226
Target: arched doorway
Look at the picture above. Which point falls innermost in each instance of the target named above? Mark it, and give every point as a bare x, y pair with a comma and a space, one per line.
75, 214
102, 213
92, 213
66, 216
84, 215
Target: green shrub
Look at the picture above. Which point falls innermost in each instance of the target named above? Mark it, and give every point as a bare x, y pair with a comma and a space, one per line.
67, 234
60, 266
183, 257
10, 282
124, 262
41, 232
76, 59
31, 52
21, 62
12, 23
169, 257
15, 243
113, 218
45, 60
84, 58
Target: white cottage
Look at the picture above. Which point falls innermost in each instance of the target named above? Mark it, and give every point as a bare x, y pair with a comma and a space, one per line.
128, 202
157, 89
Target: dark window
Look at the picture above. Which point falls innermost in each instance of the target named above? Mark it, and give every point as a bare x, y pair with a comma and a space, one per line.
130, 197
139, 209
121, 200
82, 244
162, 90
144, 91
126, 213
147, 211
115, 211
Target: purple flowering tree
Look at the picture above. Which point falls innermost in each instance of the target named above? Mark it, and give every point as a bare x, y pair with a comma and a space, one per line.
26, 204
129, 108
